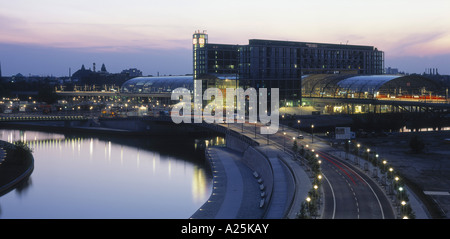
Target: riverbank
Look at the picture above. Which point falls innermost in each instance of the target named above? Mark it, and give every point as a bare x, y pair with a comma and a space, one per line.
14, 168
253, 181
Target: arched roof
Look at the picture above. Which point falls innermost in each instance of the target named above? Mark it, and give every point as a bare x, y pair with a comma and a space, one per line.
335, 85
162, 84
369, 84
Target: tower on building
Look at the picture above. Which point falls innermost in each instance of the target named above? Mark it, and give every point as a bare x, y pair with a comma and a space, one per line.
199, 41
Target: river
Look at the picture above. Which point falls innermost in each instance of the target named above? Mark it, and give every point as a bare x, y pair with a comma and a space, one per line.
88, 176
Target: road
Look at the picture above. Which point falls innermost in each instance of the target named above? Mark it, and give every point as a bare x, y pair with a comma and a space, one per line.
348, 193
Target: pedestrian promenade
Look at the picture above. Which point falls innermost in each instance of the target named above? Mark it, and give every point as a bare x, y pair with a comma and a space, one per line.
236, 193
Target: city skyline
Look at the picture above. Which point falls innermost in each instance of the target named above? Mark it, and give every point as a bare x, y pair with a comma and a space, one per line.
49, 37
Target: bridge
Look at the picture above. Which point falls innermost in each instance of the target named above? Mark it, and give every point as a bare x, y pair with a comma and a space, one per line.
36, 118
112, 94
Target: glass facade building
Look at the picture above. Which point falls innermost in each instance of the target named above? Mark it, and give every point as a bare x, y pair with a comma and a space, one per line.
279, 64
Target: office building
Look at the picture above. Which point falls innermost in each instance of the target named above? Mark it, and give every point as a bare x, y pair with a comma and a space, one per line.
278, 64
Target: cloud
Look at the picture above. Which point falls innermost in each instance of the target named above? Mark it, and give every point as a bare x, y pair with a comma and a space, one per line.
93, 36
421, 44
13, 29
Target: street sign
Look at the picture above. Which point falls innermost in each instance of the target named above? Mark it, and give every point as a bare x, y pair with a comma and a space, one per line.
343, 133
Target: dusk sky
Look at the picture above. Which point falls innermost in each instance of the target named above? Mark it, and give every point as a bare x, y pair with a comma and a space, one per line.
47, 37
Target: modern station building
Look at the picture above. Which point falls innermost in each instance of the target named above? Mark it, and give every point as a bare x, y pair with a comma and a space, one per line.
350, 94
332, 78
278, 64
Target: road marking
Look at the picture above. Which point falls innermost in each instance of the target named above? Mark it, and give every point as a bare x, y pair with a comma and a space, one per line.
376, 196
334, 198
362, 179
437, 193
338, 160
334, 162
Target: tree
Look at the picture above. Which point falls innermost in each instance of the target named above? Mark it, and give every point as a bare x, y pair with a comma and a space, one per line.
295, 147
21, 152
303, 214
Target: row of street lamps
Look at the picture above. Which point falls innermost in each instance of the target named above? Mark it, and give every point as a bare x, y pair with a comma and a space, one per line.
390, 170
395, 179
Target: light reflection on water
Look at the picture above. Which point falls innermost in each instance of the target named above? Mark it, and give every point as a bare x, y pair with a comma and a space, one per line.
90, 177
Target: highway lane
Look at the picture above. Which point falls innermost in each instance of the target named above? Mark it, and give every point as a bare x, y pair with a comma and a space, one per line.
356, 194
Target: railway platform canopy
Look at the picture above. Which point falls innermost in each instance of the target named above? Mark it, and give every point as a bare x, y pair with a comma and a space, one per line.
412, 87
153, 85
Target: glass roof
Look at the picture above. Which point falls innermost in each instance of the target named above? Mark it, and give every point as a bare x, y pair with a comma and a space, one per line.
365, 83
157, 84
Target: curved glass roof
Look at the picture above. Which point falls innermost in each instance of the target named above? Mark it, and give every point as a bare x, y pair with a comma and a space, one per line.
369, 84
336, 85
163, 84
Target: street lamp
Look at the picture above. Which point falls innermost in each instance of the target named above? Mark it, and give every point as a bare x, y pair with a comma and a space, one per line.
308, 199
384, 165
284, 141
357, 154
312, 133
402, 208
317, 192
298, 126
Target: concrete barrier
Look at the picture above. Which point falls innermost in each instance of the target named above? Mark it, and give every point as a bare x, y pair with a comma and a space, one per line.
257, 162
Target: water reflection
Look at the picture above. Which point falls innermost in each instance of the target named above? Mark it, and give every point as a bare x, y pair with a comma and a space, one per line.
78, 176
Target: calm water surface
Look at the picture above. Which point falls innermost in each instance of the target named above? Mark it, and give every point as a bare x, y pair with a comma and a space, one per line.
79, 176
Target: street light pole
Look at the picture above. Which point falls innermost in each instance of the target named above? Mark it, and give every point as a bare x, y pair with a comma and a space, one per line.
312, 133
